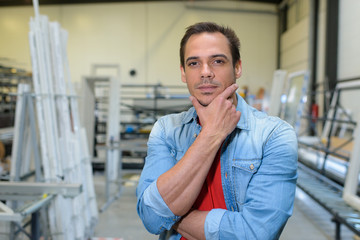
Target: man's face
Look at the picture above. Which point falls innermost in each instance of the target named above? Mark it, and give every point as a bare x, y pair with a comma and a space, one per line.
208, 68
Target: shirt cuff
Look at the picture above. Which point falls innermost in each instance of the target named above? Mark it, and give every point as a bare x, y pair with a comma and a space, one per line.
153, 199
212, 223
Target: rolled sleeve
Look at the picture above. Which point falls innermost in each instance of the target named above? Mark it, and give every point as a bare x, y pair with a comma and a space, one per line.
153, 211
212, 223
153, 199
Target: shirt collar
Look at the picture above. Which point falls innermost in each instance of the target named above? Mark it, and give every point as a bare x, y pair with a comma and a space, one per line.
246, 115
242, 106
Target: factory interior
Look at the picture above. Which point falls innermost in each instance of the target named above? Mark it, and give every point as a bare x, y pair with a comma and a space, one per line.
83, 82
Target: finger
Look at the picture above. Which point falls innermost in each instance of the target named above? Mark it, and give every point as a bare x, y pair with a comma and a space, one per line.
238, 115
195, 102
229, 91
228, 104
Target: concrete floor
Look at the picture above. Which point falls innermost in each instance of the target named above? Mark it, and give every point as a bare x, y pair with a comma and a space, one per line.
120, 219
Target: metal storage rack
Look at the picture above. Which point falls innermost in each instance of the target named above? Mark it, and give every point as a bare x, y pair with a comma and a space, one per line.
329, 195
324, 160
9, 79
118, 119
141, 106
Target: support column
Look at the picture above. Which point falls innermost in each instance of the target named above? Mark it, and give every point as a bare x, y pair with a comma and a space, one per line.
331, 50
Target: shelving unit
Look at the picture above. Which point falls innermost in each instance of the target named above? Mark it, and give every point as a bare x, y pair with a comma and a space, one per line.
329, 149
10, 78
141, 106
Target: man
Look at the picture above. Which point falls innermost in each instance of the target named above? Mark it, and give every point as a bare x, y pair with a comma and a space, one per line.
211, 173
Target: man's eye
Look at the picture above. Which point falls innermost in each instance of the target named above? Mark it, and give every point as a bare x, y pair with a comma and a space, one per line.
218, 61
192, 64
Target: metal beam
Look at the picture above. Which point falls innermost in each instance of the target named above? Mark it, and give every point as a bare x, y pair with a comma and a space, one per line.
34, 188
11, 216
52, 2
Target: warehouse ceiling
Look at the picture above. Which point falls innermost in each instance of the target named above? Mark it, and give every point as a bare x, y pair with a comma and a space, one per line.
4, 3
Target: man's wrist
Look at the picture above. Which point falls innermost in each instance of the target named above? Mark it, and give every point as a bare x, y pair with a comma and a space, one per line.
191, 225
211, 138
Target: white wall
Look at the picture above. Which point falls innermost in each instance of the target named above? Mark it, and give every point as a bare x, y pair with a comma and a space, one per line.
349, 51
295, 45
145, 36
294, 53
349, 39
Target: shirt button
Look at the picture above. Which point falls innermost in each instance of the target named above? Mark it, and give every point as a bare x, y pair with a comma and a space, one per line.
195, 135
252, 166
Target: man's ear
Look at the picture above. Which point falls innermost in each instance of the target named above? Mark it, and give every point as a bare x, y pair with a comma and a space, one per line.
183, 77
238, 69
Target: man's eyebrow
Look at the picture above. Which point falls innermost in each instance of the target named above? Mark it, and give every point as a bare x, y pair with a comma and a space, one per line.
212, 56
191, 58
220, 55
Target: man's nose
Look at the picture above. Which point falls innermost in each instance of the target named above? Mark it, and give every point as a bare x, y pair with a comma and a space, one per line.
206, 71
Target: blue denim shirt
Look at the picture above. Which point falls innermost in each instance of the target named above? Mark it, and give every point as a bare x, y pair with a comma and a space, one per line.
258, 173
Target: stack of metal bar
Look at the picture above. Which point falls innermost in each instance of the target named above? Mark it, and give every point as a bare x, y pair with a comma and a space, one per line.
64, 155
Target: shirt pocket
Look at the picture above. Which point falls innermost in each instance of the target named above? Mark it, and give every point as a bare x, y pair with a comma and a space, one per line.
243, 171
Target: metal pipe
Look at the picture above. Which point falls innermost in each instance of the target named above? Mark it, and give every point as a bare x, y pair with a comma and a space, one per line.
36, 206
203, 8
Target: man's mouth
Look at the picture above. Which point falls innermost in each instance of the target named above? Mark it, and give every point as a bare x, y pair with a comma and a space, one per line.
207, 88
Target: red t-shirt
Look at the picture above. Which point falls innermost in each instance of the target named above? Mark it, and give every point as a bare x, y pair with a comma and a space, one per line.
211, 195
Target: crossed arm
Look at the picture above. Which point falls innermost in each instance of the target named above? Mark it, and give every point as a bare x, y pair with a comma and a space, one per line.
269, 196
180, 186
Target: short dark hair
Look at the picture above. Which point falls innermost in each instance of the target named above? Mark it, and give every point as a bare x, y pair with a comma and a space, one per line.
201, 27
